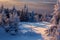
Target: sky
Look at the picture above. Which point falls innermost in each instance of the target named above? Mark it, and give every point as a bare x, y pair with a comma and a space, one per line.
37, 5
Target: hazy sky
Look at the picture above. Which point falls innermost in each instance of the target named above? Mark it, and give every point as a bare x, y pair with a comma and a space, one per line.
37, 5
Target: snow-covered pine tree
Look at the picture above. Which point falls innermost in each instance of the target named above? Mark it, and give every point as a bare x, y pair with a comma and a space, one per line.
31, 16
54, 30
10, 24
13, 22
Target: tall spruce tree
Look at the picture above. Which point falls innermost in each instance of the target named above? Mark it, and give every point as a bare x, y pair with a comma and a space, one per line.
54, 30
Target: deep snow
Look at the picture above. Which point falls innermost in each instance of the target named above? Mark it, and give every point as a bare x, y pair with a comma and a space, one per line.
26, 32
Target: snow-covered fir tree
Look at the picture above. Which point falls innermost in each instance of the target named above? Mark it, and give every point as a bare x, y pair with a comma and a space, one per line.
31, 17
24, 14
54, 30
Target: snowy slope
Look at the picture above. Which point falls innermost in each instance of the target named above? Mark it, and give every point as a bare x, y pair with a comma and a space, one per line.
27, 31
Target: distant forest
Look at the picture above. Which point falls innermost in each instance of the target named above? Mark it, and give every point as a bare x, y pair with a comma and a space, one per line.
24, 15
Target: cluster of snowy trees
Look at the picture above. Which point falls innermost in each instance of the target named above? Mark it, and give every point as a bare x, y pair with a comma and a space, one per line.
24, 15
10, 18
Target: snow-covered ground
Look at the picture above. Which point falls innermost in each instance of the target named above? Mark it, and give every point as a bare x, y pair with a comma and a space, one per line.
27, 31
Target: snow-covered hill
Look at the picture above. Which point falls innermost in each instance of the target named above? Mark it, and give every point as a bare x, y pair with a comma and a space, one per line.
27, 31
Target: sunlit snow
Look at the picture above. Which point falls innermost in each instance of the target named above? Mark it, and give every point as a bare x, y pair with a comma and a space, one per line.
27, 31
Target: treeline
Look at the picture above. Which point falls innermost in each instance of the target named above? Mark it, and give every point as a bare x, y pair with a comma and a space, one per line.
24, 15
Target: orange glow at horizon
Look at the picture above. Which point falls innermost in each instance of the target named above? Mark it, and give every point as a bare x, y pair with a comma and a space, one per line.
20, 4
4, 0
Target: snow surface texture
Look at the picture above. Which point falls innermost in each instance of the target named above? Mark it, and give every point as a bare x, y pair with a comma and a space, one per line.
27, 31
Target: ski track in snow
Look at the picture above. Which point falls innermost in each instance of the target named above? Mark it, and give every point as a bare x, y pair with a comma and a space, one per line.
38, 28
